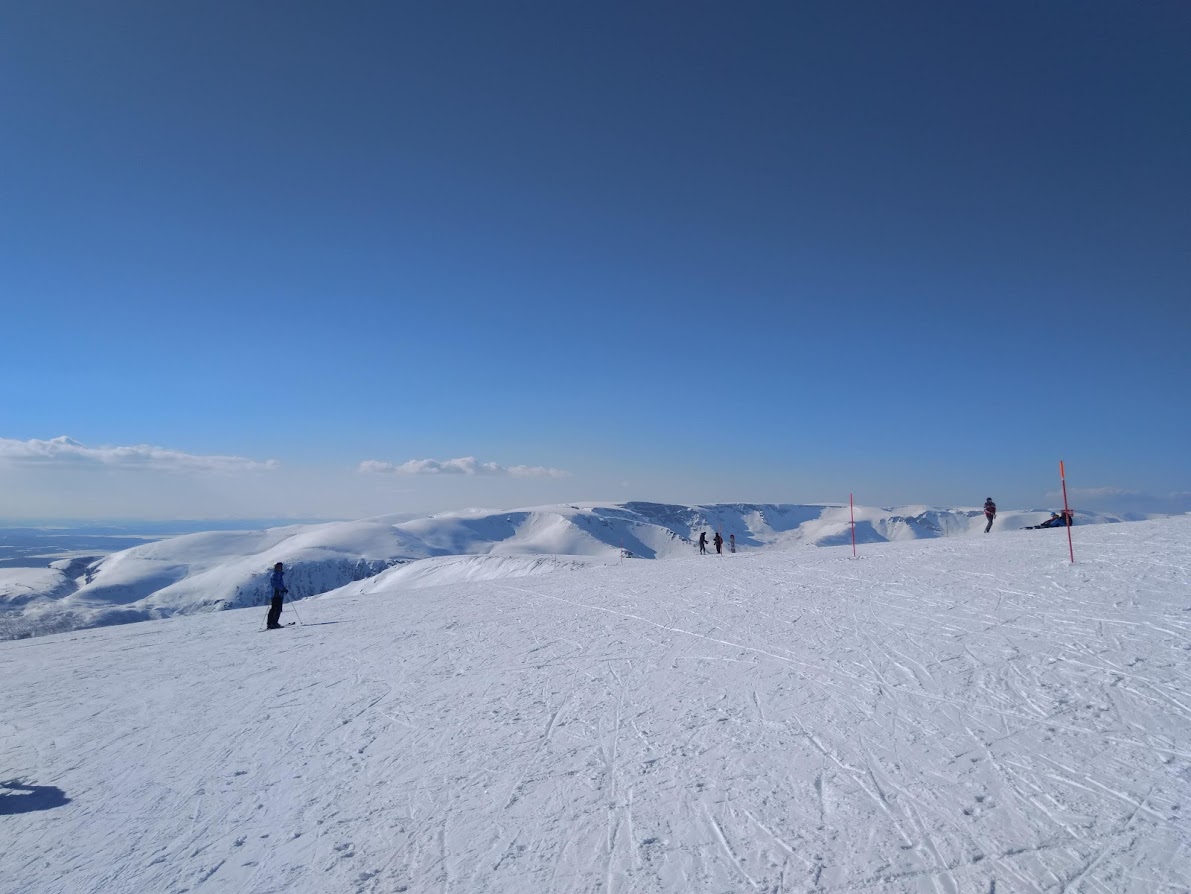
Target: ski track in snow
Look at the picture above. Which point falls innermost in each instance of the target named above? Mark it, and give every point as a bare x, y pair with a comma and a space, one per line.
962, 715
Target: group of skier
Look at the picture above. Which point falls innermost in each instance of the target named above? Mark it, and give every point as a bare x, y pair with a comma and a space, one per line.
1066, 518
718, 540
1056, 520
277, 579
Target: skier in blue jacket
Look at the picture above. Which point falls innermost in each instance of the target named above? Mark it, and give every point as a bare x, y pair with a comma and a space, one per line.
277, 581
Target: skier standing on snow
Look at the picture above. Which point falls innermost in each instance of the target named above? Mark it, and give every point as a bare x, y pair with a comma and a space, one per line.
702, 543
277, 581
719, 543
990, 512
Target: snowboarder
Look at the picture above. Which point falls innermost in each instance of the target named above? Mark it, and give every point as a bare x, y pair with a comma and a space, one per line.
731, 543
990, 512
719, 543
702, 543
277, 581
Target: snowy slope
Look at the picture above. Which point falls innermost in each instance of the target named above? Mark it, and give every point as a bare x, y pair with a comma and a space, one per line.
945, 715
462, 569
20, 586
205, 572
229, 569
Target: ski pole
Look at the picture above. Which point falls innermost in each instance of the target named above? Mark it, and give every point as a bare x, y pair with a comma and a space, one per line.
291, 605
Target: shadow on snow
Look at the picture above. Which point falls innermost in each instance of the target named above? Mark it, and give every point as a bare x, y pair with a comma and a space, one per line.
31, 799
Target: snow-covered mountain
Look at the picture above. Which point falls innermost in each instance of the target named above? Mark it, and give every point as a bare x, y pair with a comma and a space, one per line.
940, 715
229, 569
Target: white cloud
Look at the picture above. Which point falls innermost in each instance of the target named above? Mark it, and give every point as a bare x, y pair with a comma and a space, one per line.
64, 451
464, 465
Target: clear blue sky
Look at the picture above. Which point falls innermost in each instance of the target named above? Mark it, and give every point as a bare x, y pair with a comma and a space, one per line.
683, 251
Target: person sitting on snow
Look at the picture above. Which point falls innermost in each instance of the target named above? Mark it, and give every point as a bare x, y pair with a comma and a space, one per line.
1055, 521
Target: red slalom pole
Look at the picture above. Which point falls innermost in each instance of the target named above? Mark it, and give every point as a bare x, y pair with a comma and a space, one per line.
852, 512
1067, 512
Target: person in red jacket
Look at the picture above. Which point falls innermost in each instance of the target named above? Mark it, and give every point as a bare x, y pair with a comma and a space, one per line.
990, 512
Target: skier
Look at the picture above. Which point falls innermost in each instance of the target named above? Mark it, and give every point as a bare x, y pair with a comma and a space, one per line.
702, 543
990, 512
719, 543
277, 581
731, 543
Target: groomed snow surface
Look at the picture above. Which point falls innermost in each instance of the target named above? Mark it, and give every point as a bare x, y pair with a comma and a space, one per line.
968, 714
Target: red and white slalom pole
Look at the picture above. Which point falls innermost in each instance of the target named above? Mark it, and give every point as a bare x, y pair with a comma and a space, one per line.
1067, 512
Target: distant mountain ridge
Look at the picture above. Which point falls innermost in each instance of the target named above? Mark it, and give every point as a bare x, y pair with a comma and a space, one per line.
223, 569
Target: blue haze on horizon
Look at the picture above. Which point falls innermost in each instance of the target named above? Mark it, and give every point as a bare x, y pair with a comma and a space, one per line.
683, 252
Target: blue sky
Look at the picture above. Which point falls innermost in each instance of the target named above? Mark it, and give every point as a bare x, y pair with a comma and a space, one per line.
687, 252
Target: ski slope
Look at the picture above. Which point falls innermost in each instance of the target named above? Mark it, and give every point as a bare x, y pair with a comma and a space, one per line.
218, 570
968, 714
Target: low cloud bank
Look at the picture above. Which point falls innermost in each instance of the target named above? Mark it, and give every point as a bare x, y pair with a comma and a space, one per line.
464, 465
64, 451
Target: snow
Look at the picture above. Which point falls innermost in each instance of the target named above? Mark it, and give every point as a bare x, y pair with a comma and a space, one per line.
19, 586
956, 714
217, 570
